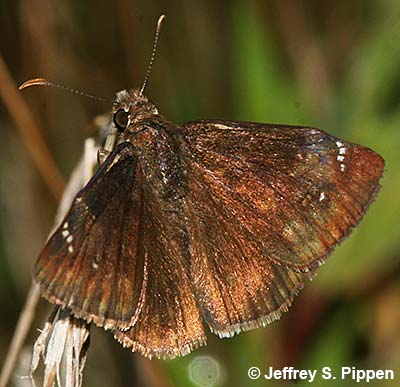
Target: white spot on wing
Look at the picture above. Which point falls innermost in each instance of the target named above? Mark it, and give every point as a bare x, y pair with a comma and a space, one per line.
340, 157
70, 239
95, 265
321, 196
70, 249
221, 126
65, 233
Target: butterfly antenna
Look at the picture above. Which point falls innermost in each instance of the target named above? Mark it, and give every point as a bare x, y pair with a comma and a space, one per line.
153, 53
45, 82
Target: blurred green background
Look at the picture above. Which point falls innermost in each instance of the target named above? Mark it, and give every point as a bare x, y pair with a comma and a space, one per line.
332, 65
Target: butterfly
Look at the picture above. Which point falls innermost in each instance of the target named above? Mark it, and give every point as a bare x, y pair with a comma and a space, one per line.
210, 222
207, 223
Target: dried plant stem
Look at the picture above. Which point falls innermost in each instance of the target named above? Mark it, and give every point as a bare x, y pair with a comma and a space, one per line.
30, 134
79, 177
23, 326
33, 141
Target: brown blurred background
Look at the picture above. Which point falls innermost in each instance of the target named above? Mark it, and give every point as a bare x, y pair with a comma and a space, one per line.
334, 65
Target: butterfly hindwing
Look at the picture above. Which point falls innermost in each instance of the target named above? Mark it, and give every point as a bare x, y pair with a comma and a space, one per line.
237, 288
169, 323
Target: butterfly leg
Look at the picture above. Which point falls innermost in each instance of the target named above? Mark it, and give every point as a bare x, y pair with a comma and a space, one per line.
109, 146
102, 155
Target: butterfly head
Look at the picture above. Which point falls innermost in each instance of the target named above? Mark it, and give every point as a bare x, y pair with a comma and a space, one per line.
130, 108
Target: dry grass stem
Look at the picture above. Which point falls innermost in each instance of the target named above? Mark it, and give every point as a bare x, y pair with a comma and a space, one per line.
30, 133
65, 336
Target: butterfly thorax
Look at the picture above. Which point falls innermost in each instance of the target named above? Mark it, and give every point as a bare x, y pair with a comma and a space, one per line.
139, 123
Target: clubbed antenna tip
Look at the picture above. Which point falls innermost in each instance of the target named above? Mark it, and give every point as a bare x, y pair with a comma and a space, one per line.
45, 82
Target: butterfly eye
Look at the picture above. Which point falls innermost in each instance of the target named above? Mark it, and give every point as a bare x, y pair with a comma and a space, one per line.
121, 119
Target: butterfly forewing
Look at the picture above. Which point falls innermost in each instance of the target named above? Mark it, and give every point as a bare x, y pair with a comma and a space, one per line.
91, 264
264, 202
